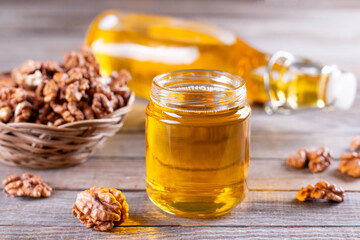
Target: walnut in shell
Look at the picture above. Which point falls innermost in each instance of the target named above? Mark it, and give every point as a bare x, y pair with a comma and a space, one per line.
101, 208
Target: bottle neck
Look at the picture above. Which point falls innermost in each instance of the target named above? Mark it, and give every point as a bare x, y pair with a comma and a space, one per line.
198, 91
292, 82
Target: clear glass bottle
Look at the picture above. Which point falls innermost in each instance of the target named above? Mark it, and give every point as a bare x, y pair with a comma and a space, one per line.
292, 82
148, 45
197, 142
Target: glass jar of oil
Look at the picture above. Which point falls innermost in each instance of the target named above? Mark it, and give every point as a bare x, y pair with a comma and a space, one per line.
148, 45
197, 142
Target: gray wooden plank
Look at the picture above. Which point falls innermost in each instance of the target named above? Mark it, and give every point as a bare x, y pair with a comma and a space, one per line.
195, 7
181, 232
260, 208
129, 174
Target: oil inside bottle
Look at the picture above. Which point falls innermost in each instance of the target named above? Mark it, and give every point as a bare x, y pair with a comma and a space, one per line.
148, 45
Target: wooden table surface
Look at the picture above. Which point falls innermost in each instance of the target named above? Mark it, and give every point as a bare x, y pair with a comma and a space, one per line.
326, 31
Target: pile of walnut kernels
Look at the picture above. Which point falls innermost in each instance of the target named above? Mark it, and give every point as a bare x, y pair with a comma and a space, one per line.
52, 93
317, 160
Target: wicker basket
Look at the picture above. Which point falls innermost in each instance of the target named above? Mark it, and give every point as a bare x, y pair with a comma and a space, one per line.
40, 146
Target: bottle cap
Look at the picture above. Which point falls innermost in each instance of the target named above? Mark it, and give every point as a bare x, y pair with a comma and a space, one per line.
341, 88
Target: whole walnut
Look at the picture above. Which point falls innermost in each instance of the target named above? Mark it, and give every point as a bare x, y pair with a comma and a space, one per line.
101, 208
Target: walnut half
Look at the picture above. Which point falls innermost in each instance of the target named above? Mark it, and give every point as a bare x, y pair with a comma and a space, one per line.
298, 159
316, 159
322, 190
355, 143
350, 164
27, 185
319, 159
101, 208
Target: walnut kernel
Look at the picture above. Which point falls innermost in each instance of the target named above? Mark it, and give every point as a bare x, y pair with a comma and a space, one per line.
101, 208
27, 185
355, 143
298, 160
5, 114
23, 111
350, 164
322, 190
316, 159
319, 159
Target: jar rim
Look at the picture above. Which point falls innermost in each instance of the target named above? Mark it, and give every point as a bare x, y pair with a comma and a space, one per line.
199, 90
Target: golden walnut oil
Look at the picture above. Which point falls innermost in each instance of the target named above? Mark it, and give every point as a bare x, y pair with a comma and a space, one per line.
148, 45
197, 162
192, 170
297, 90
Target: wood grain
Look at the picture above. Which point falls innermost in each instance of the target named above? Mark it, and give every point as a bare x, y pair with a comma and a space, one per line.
260, 208
129, 174
180, 232
326, 31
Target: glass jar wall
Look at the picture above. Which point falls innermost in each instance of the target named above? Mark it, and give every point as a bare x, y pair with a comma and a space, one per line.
197, 142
